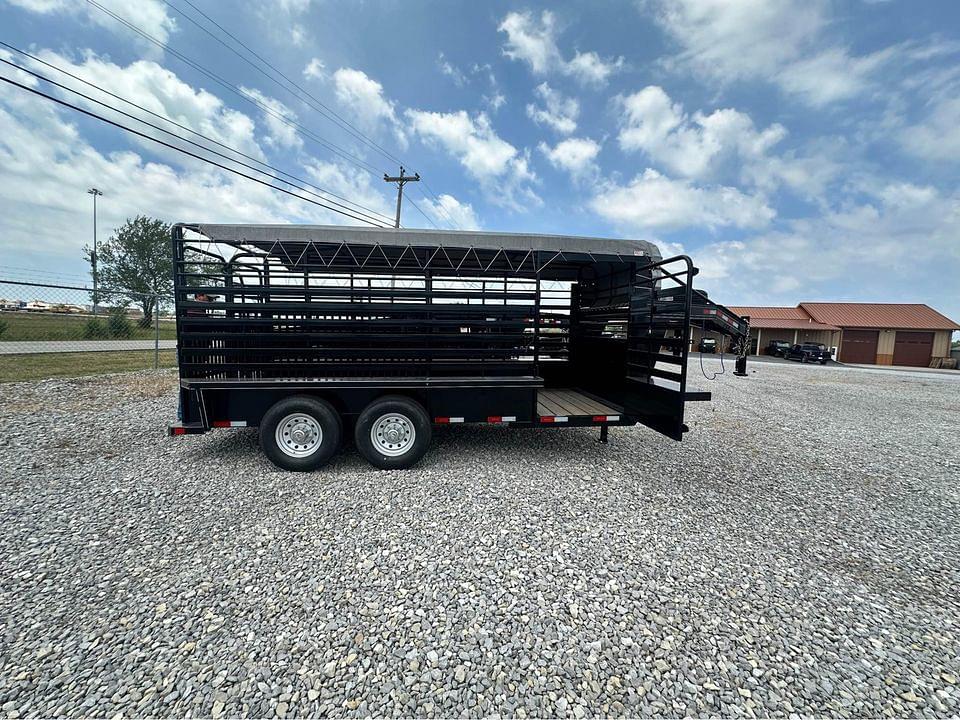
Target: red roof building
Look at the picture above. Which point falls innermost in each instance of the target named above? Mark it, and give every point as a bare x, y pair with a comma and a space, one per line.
869, 333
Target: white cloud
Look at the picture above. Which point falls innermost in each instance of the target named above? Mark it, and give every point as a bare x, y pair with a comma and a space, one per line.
451, 71
531, 42
725, 142
937, 136
535, 43
282, 21
590, 69
447, 210
149, 15
899, 247
315, 70
495, 101
298, 35
832, 75
353, 183
687, 145
652, 201
46, 166
775, 40
280, 134
363, 97
576, 156
558, 111
739, 39
503, 170
158, 90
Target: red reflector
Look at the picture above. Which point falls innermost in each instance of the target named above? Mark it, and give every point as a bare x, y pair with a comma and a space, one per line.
441, 420
179, 431
495, 419
221, 423
546, 418
599, 418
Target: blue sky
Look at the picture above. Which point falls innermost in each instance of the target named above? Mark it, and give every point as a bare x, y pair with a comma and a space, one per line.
801, 150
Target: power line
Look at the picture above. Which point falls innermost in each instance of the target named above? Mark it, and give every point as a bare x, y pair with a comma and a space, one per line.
438, 204
241, 93
30, 274
324, 110
380, 219
178, 149
427, 217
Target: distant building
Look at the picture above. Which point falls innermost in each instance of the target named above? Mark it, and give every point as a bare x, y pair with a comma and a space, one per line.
868, 333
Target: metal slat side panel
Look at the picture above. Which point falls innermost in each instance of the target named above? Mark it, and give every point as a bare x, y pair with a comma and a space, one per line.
305, 309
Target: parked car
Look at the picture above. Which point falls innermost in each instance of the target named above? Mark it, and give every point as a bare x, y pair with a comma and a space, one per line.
809, 352
778, 348
707, 345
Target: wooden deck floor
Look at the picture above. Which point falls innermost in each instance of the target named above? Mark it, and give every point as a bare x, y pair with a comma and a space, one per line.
566, 402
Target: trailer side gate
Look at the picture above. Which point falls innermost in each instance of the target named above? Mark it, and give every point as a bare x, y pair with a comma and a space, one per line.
311, 332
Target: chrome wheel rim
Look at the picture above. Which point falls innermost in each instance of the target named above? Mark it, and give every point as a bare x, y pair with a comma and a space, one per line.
299, 435
393, 434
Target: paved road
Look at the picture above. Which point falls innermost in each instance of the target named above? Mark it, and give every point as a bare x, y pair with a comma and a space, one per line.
18, 347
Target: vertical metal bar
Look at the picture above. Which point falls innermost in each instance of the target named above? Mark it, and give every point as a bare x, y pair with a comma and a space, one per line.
176, 247
536, 328
685, 330
430, 329
156, 332
651, 350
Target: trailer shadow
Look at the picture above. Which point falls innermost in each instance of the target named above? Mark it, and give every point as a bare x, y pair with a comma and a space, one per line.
466, 444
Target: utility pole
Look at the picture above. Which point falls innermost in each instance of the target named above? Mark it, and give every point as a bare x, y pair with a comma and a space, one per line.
93, 258
401, 181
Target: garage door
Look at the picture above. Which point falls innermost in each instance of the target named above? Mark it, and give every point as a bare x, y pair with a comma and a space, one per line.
913, 348
859, 346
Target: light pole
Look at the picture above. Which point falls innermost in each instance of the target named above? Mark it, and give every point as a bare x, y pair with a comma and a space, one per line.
96, 297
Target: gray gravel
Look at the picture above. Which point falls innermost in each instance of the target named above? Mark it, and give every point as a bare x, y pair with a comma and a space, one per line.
797, 553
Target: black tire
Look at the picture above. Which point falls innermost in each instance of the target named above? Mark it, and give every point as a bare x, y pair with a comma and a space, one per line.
823, 362
803, 359
327, 419
409, 416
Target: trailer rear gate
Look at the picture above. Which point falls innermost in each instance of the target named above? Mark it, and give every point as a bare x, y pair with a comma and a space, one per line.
480, 327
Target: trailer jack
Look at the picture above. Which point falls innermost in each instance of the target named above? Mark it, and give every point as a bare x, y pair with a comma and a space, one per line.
741, 368
603, 434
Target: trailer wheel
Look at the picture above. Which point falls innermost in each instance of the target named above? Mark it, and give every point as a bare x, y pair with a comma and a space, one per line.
393, 432
300, 433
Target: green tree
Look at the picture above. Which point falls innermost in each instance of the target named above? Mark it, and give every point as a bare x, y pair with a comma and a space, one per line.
134, 265
118, 326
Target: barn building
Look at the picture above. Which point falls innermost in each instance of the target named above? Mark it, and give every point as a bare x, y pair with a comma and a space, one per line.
867, 333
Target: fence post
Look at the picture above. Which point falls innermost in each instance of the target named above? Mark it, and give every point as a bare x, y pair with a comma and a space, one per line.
156, 332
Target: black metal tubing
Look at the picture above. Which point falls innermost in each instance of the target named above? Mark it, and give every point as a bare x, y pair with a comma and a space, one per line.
450, 326
659, 319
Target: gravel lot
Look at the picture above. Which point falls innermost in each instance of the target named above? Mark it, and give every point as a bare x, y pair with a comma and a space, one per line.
799, 552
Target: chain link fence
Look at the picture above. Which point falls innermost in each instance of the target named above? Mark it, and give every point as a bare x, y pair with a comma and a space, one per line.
65, 331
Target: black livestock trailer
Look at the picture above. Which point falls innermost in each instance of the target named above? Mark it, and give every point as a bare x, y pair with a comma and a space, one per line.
309, 332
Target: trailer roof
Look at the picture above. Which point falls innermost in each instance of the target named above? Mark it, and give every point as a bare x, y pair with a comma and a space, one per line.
266, 235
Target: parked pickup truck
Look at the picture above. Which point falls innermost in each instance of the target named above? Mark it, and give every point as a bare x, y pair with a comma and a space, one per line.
809, 352
707, 345
778, 348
